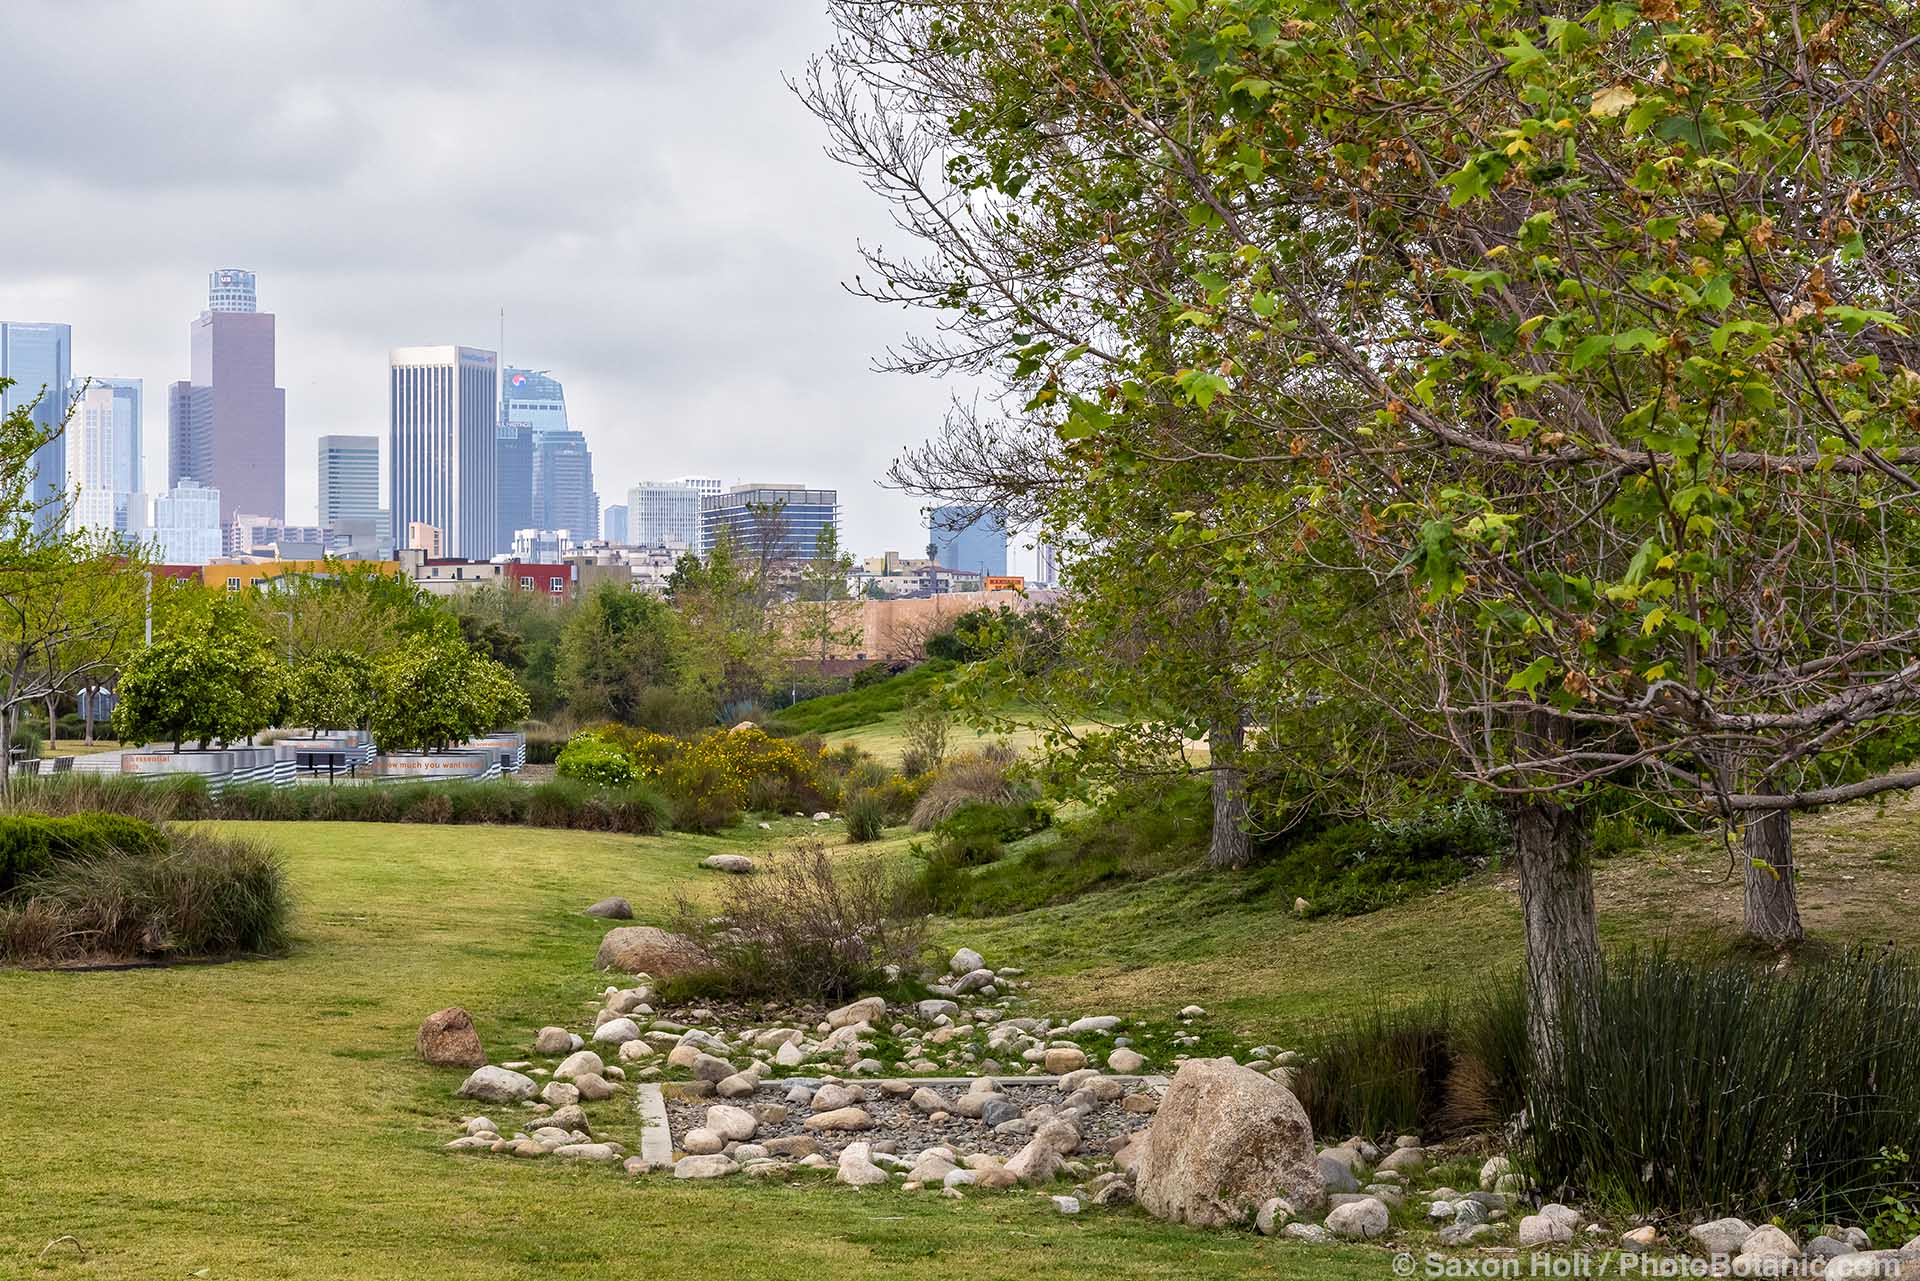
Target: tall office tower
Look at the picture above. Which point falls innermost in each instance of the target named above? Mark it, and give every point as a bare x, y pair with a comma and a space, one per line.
969, 538
512, 484
782, 520
663, 514
613, 525
349, 479
98, 470
702, 485
532, 399
185, 529
227, 424
39, 360
440, 448
1046, 563
563, 496
230, 289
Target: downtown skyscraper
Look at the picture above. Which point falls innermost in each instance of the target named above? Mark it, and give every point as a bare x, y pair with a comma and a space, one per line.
39, 360
227, 423
103, 454
443, 421
349, 479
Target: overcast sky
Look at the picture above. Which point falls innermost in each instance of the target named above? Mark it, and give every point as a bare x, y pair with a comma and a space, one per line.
630, 180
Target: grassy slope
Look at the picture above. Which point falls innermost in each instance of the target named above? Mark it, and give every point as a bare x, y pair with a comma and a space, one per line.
268, 1119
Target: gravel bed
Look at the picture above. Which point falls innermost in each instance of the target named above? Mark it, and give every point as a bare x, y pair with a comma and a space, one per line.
898, 1122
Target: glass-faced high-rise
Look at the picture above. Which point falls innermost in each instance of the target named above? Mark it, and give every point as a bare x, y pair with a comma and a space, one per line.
784, 521
103, 453
664, 514
349, 479
39, 360
442, 425
969, 538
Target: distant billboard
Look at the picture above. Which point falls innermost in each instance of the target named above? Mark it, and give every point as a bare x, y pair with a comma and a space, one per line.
1005, 583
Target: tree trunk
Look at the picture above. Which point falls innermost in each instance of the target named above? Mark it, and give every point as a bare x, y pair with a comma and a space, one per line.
53, 726
1556, 900
1773, 906
93, 693
1231, 846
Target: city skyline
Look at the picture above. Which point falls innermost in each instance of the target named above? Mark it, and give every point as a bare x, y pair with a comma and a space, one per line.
699, 326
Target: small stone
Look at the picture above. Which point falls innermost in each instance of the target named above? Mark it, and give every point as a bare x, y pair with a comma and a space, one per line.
707, 1067
734, 1124
593, 1087
840, 1120
1538, 1229
857, 1168
964, 960
1066, 1204
868, 1009
932, 1009
1721, 1236
559, 1094
1126, 1061
588, 1152
1093, 1023
612, 909
497, 1085
735, 864
617, 1031
1274, 1214
1062, 1060
703, 1167
1361, 1220
553, 1040
579, 1063
1308, 1232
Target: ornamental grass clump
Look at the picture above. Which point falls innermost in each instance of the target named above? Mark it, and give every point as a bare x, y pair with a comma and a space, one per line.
807, 926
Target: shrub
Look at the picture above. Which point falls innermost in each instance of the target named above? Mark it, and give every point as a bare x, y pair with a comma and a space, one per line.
975, 776
198, 895
593, 759
866, 816
32, 844
1347, 869
925, 725
807, 927
1726, 1087
155, 800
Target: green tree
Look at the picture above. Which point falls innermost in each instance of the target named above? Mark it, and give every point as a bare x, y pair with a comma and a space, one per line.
433, 693
216, 685
825, 617
521, 630
618, 646
1570, 345
331, 690
731, 647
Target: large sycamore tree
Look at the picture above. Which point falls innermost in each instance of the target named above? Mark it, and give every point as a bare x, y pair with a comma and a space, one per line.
1576, 339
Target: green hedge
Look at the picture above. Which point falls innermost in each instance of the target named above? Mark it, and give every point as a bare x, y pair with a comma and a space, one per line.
34, 843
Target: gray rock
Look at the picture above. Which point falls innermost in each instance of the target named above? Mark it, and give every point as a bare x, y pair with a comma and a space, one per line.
965, 961
857, 1168
617, 1031
1864, 1264
1826, 1247
1538, 1229
612, 909
579, 1063
559, 1094
1312, 1232
700, 1141
1274, 1215
1126, 1061
868, 1009
703, 1167
1066, 1204
1361, 1220
1721, 1236
926, 1099
973, 981
1094, 1023
1460, 1235
840, 1120
588, 1152
736, 1125
1769, 1242
553, 1040
497, 1085
1336, 1174
736, 864
593, 1087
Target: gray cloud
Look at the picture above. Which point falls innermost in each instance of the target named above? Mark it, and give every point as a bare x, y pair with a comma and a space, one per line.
631, 181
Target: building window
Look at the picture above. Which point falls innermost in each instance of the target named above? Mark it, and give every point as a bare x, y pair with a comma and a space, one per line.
233, 586
526, 582
556, 584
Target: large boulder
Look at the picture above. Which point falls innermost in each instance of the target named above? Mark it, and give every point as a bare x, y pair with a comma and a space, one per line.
1225, 1139
447, 1039
642, 949
612, 909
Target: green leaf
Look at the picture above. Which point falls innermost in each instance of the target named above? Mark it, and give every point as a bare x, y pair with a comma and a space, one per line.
1530, 678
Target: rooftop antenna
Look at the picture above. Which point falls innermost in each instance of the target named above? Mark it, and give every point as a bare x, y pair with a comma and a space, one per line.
503, 366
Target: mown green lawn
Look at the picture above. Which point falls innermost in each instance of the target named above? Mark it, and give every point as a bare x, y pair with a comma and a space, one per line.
269, 1120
